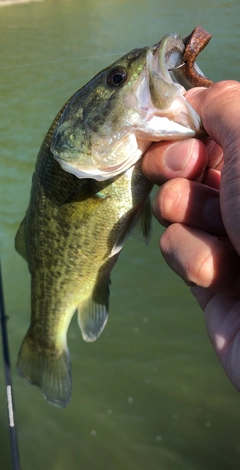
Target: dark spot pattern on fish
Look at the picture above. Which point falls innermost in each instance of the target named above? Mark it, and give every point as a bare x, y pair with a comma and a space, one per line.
88, 195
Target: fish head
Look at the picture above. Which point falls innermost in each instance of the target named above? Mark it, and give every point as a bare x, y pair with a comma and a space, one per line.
109, 123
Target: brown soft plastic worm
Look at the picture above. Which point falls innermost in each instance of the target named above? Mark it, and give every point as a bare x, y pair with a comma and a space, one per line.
195, 43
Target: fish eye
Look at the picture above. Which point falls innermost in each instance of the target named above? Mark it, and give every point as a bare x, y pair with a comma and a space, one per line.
116, 77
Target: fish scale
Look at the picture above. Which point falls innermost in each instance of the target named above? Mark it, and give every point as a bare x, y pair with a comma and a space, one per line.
88, 194
63, 247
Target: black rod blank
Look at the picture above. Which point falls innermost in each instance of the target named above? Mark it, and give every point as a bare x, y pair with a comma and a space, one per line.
8, 383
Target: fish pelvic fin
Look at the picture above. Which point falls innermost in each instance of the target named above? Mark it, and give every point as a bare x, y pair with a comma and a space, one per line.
51, 371
20, 240
93, 312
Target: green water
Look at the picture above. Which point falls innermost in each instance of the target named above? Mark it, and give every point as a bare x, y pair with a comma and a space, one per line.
149, 394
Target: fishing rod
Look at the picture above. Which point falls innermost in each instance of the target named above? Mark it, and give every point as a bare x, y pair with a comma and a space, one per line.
8, 382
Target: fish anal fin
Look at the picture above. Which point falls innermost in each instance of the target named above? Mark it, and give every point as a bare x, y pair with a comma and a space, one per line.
49, 371
20, 240
92, 318
93, 312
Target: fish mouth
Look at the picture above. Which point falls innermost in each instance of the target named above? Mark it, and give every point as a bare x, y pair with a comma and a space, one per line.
175, 61
154, 109
166, 56
172, 71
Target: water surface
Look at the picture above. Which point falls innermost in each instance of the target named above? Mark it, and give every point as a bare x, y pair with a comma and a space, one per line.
149, 394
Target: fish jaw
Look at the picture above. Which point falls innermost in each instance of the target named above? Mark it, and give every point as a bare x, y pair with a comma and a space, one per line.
167, 95
133, 145
128, 145
161, 109
152, 107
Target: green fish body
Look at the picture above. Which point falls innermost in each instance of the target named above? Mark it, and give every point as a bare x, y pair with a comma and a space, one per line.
88, 193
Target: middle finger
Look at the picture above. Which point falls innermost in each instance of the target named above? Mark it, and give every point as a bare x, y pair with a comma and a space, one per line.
190, 203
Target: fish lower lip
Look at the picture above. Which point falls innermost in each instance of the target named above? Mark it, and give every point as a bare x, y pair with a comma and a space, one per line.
170, 53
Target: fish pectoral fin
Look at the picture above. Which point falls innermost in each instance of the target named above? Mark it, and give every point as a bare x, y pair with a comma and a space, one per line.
74, 208
20, 240
93, 313
140, 227
49, 370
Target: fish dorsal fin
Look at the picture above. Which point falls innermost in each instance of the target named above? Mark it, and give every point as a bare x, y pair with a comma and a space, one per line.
140, 227
20, 240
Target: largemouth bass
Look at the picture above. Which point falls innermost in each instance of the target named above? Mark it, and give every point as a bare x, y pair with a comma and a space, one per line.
88, 193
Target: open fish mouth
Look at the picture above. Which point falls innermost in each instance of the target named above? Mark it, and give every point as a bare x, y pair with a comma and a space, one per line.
104, 129
177, 58
172, 63
188, 73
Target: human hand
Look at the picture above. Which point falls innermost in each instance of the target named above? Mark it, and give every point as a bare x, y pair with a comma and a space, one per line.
199, 203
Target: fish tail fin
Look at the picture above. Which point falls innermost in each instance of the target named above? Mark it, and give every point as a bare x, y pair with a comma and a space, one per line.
50, 371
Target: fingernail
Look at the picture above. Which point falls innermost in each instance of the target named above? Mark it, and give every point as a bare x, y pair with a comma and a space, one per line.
177, 154
212, 215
